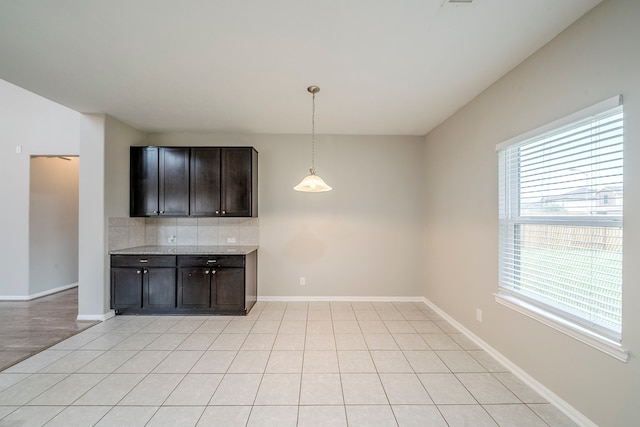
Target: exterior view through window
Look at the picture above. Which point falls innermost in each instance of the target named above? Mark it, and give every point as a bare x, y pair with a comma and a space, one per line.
561, 197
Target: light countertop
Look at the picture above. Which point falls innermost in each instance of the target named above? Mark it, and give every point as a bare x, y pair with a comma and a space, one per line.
186, 250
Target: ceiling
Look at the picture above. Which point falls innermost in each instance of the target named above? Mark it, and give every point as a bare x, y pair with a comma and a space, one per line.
385, 67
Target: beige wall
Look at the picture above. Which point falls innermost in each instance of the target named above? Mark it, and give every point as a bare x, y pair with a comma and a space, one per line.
40, 127
53, 223
104, 192
359, 239
594, 59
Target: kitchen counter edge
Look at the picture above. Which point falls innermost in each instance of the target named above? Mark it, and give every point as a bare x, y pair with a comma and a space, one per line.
185, 250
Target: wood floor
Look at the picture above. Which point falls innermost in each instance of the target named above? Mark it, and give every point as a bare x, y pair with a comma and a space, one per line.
28, 327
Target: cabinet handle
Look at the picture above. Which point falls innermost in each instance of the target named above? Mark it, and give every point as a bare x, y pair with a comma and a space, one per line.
144, 260
209, 261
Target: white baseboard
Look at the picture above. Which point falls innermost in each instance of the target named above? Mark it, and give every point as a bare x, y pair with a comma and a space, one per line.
335, 298
37, 295
543, 391
99, 317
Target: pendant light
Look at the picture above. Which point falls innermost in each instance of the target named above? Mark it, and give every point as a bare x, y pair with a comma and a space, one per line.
312, 183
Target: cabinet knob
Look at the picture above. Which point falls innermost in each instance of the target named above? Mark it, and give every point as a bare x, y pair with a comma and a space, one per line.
161, 212
145, 271
213, 272
155, 212
224, 212
217, 212
189, 274
206, 272
138, 272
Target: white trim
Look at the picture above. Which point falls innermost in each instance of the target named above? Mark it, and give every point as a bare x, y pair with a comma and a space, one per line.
338, 298
600, 107
583, 335
100, 317
39, 294
539, 388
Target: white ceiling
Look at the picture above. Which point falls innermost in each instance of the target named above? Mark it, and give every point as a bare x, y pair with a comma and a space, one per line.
388, 67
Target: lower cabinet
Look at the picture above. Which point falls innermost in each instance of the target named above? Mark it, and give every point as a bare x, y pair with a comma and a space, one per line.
194, 289
159, 288
211, 282
143, 282
183, 284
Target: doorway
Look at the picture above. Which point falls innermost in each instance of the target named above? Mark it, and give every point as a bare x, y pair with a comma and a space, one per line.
53, 224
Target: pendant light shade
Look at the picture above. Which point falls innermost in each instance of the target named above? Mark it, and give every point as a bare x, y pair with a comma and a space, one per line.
312, 183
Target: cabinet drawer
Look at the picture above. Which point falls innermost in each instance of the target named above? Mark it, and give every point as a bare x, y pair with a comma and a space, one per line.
143, 261
211, 261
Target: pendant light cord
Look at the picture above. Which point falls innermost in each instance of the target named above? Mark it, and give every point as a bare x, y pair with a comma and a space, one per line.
313, 134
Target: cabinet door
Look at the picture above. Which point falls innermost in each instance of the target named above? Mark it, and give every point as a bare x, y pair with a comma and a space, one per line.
194, 287
237, 180
173, 188
143, 181
205, 181
159, 290
126, 287
227, 285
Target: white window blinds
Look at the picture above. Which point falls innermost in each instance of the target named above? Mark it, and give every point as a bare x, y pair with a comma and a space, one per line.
560, 221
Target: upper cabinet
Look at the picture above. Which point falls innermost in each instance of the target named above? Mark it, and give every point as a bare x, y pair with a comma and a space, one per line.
239, 177
196, 181
159, 181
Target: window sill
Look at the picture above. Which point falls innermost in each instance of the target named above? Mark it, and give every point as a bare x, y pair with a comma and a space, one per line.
583, 335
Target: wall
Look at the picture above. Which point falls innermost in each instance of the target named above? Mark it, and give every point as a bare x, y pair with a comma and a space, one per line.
359, 239
104, 192
53, 224
39, 126
93, 287
592, 60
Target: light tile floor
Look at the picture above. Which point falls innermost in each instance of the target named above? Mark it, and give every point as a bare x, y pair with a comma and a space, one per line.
285, 364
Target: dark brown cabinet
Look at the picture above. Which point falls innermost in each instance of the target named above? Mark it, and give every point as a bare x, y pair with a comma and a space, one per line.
205, 181
184, 284
126, 288
159, 181
194, 181
143, 283
212, 282
159, 288
239, 177
194, 287
224, 181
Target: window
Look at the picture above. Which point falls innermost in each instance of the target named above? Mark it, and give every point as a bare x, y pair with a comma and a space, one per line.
560, 221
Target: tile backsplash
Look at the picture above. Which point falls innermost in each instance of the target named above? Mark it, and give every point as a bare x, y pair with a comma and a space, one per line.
130, 232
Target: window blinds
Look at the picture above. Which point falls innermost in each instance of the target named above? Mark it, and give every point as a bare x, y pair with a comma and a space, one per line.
560, 221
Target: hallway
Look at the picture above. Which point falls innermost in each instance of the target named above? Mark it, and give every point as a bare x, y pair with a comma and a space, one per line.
29, 327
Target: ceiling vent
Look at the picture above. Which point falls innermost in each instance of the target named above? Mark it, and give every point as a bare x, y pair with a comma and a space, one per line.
458, 3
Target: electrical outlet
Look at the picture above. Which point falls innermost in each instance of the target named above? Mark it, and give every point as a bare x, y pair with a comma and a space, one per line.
478, 315
303, 281
231, 239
